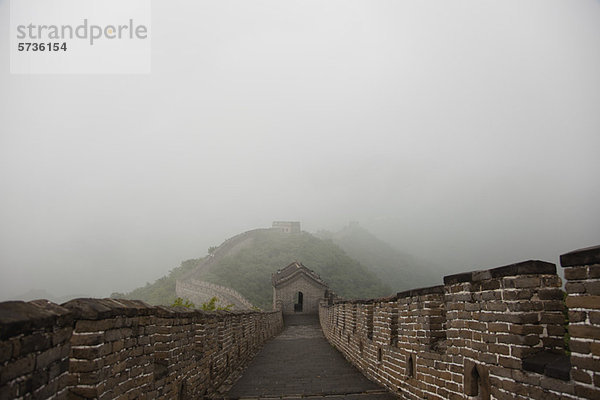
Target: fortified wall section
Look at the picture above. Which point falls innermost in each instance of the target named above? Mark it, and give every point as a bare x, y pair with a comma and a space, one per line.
493, 334
108, 348
200, 292
285, 296
229, 247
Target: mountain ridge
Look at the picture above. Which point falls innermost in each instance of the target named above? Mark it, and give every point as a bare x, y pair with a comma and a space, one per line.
354, 263
262, 252
400, 270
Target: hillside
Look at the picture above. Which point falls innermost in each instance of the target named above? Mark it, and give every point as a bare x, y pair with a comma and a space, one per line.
399, 270
263, 252
245, 263
162, 291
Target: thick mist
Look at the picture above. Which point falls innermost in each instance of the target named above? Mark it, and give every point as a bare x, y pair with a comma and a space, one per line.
465, 133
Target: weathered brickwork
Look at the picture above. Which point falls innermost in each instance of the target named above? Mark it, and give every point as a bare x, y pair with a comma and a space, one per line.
107, 349
297, 289
34, 350
582, 273
493, 334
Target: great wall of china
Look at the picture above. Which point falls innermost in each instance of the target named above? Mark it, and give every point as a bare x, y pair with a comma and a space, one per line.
199, 292
191, 286
109, 349
492, 334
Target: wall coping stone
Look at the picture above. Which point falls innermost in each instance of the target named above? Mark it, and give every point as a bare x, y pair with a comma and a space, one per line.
173, 312
18, 317
439, 289
96, 309
585, 256
531, 267
63, 316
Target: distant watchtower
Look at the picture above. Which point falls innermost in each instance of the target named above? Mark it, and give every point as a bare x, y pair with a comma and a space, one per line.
287, 226
297, 289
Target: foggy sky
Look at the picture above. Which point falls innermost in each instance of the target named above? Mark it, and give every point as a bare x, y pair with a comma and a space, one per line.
463, 132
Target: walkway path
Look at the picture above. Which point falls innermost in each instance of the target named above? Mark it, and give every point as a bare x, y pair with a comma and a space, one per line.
300, 363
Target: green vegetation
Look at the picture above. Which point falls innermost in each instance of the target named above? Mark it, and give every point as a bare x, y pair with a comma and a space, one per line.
249, 270
179, 302
162, 291
208, 306
212, 305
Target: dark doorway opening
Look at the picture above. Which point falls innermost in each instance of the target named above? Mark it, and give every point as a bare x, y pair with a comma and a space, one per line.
298, 305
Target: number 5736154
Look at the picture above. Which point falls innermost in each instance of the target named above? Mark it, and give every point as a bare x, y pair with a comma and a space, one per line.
41, 46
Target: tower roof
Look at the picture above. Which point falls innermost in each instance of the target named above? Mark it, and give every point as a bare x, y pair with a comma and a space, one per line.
291, 271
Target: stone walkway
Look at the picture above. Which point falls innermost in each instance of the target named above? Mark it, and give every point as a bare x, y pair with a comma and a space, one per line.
300, 363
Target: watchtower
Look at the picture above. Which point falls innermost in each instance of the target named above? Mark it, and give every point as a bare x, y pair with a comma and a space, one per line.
287, 226
297, 289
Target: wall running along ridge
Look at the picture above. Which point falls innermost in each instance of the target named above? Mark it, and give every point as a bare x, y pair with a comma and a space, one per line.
199, 292
109, 348
493, 334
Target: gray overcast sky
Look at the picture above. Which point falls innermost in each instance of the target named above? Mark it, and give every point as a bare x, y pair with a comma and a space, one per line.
463, 132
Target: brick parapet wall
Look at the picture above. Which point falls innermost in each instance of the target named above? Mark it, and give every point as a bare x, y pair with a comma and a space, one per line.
106, 349
582, 273
496, 333
34, 350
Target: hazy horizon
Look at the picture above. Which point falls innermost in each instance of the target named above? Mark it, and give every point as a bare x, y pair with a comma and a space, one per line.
463, 133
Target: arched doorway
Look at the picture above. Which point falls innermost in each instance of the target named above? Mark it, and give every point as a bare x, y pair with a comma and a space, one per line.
299, 302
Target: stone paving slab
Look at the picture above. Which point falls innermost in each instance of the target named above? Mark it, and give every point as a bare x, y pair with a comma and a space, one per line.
360, 396
300, 363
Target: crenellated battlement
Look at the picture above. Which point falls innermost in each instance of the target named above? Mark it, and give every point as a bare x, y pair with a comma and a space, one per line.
108, 348
493, 334
496, 333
